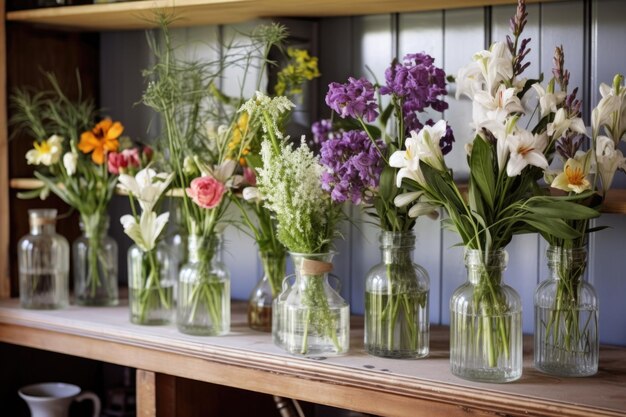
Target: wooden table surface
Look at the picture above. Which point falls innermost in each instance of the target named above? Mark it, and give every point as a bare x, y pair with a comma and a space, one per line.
247, 359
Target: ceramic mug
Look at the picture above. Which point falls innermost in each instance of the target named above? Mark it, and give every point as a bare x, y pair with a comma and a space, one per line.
53, 399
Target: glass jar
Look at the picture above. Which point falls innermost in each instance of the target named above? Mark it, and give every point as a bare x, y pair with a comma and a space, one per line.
95, 263
151, 281
486, 322
310, 318
263, 294
396, 301
566, 317
204, 289
43, 263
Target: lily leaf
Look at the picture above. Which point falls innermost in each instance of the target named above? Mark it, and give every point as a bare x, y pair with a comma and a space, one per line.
481, 167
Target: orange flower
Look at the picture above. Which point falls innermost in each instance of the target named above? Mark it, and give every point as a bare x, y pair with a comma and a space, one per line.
101, 139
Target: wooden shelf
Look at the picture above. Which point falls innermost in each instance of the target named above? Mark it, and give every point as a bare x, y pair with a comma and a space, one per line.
247, 359
139, 14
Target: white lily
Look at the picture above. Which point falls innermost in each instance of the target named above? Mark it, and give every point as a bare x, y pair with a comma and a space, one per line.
526, 149
147, 186
146, 232
70, 161
548, 100
469, 80
46, 152
611, 110
424, 209
252, 194
609, 160
496, 65
562, 123
574, 175
501, 131
497, 107
404, 199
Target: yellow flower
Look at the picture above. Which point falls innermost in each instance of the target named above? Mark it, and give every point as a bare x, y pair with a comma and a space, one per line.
301, 67
573, 178
101, 139
236, 137
46, 152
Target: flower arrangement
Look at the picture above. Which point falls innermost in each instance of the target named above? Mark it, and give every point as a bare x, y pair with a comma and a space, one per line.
150, 281
505, 161
78, 160
361, 166
307, 218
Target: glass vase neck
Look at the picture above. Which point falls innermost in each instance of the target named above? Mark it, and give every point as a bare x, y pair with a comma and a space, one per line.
568, 263
483, 265
42, 221
204, 247
94, 225
397, 247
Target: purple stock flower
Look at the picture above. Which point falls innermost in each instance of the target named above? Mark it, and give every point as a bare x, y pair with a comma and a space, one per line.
419, 84
353, 166
354, 99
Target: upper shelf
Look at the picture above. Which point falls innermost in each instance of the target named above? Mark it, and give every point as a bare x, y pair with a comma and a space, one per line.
247, 359
140, 14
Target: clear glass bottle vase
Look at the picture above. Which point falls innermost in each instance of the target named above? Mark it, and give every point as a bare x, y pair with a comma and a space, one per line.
566, 317
268, 287
95, 263
203, 305
151, 281
486, 322
309, 317
396, 301
43, 263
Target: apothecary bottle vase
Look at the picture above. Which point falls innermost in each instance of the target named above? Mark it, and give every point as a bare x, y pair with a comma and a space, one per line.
267, 288
43, 263
486, 322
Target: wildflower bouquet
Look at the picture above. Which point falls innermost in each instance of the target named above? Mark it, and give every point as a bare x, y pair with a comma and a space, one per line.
150, 283
360, 168
299, 69
75, 160
505, 161
309, 318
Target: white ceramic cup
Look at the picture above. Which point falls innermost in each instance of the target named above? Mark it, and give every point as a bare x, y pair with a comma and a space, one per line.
53, 399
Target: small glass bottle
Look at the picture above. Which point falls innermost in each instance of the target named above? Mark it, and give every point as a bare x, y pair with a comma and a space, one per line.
396, 301
203, 305
95, 263
43, 262
566, 317
486, 322
151, 281
310, 318
263, 294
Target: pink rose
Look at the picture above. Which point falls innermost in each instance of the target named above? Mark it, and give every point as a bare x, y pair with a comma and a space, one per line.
206, 192
118, 162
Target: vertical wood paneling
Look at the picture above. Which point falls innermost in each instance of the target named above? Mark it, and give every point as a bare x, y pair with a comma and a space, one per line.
5, 238
464, 35
373, 44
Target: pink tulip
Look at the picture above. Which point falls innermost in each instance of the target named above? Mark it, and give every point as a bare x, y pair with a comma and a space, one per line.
118, 162
206, 192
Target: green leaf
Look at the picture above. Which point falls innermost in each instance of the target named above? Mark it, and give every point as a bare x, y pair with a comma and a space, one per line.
28, 195
561, 209
386, 114
550, 226
482, 170
387, 188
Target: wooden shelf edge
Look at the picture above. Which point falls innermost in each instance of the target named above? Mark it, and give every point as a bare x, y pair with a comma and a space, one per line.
247, 360
139, 14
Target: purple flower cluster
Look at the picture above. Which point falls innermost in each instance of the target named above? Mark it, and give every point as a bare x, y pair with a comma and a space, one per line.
353, 166
354, 99
419, 84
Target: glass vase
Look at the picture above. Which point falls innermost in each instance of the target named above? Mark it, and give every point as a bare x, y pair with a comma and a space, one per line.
151, 281
203, 306
95, 263
486, 322
263, 294
566, 317
43, 263
396, 301
310, 318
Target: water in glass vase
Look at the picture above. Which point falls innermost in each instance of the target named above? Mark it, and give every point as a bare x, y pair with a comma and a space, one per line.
203, 307
44, 291
567, 346
397, 326
153, 306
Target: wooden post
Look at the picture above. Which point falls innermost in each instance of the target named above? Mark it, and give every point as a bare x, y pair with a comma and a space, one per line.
5, 281
146, 393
